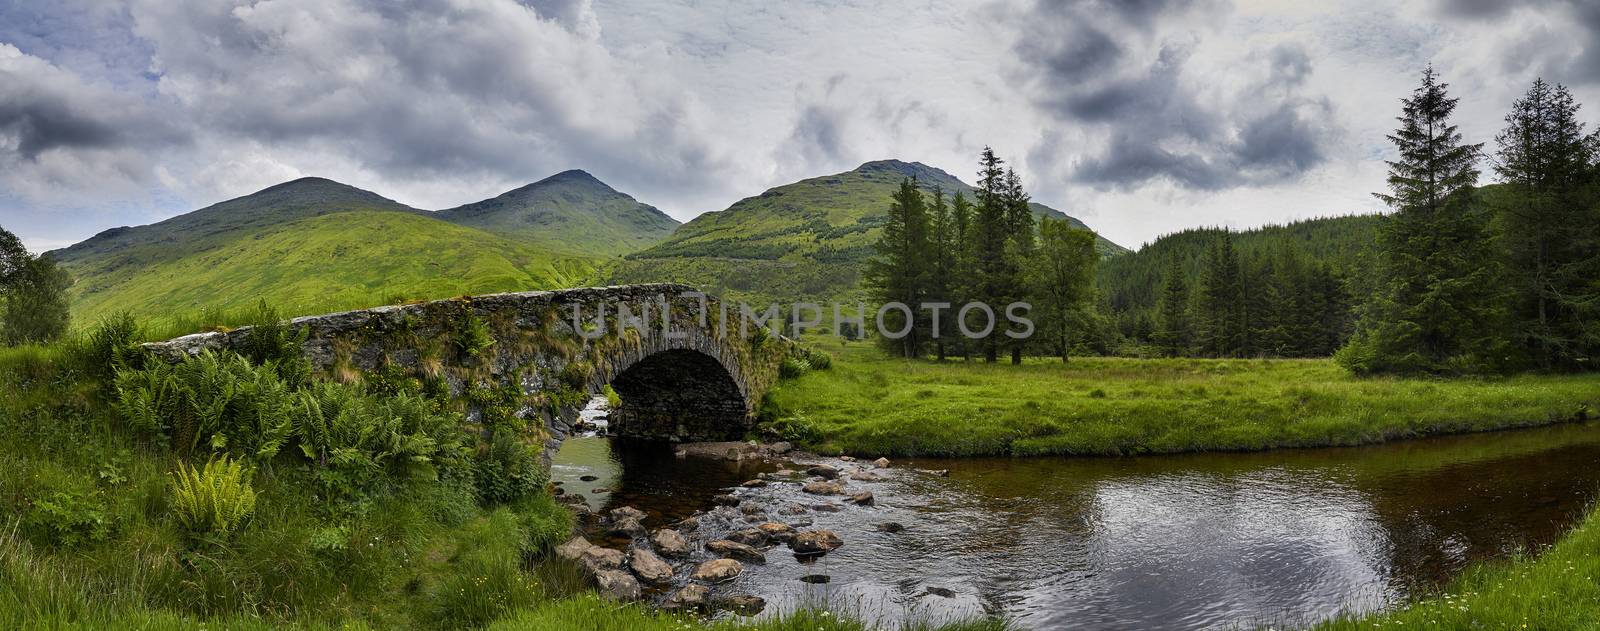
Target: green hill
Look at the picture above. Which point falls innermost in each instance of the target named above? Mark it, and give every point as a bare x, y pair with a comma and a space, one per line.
314, 245
1132, 283
568, 212
801, 241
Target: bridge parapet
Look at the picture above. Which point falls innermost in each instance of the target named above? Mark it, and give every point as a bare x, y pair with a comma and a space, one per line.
684, 371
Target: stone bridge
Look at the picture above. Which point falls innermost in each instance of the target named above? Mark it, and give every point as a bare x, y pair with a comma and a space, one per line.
683, 367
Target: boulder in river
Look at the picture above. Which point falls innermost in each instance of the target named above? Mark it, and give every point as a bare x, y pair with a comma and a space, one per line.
826, 508
688, 524
743, 604
735, 550
891, 526
597, 559
776, 531
617, 585
882, 463
863, 498
691, 596
751, 484
749, 537
726, 500
717, 571
941, 592
670, 542
823, 488
815, 543
751, 508
627, 527
573, 549
780, 447
793, 508
865, 476
648, 566
823, 471
626, 512
847, 458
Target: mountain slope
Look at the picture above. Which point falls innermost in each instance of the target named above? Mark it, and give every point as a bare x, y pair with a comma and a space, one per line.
568, 212
310, 244
324, 263
806, 240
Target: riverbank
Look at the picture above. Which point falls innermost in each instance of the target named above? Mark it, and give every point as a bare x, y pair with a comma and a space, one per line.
1554, 588
868, 404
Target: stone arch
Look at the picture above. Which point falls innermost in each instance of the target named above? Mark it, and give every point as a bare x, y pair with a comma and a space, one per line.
679, 395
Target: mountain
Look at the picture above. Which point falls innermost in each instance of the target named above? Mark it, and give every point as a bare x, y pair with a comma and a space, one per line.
568, 212
313, 244
806, 240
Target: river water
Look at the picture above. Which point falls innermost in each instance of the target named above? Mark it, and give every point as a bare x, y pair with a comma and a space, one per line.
1170, 542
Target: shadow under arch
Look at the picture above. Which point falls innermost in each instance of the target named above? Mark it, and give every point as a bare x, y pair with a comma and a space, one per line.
679, 395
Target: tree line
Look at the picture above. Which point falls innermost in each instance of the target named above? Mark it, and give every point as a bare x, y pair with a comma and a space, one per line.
33, 295
990, 250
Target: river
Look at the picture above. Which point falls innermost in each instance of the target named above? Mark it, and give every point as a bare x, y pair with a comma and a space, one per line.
1197, 541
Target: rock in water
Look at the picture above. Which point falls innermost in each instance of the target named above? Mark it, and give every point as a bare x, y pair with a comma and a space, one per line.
863, 498
865, 476
744, 604
649, 567
781, 448
735, 550
776, 531
627, 527
891, 526
691, 596
752, 484
617, 585
626, 512
726, 500
717, 571
598, 559
882, 463
749, 537
823, 488
815, 543
573, 549
823, 471
670, 543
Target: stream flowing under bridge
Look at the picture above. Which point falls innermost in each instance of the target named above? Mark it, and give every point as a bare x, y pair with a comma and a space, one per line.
683, 367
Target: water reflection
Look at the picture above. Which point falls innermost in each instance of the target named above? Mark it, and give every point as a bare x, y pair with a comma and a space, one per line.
1178, 542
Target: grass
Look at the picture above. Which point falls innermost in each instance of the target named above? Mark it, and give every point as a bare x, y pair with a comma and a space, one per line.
872, 405
1557, 589
319, 264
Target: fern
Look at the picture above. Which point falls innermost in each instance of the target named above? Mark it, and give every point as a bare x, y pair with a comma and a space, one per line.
216, 499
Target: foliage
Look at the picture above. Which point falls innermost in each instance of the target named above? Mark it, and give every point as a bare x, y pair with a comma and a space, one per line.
1436, 305
901, 270
793, 367
472, 336
359, 443
211, 402
510, 471
111, 345
1061, 283
215, 499
33, 303
68, 519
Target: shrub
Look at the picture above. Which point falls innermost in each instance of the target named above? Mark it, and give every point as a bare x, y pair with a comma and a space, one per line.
220, 401
472, 338
216, 499
68, 519
358, 442
819, 360
509, 471
113, 344
793, 367
796, 429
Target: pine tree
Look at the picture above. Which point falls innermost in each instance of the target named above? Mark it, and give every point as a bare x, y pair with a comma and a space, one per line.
942, 283
993, 278
900, 271
1219, 302
962, 278
1435, 306
1061, 276
1544, 159
1172, 333
1020, 246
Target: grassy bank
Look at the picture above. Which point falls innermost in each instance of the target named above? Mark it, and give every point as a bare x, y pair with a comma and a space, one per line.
1557, 589
870, 404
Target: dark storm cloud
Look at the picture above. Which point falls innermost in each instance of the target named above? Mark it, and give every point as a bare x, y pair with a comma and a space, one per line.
1121, 71
44, 108
1580, 67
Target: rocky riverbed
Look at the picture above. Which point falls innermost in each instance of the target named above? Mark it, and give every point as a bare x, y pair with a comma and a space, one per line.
691, 563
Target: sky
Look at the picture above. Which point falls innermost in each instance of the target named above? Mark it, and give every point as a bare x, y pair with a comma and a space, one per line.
1141, 117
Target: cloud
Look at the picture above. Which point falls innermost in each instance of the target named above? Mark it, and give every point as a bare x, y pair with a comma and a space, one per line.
1123, 74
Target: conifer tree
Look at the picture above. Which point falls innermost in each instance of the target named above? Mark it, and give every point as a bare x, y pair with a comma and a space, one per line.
1435, 306
962, 279
993, 278
945, 259
900, 270
1172, 332
1546, 224
1219, 309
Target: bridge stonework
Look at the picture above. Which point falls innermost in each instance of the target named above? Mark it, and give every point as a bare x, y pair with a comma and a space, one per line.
691, 375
